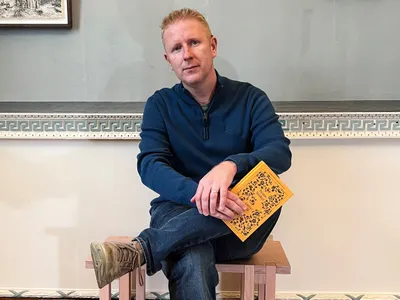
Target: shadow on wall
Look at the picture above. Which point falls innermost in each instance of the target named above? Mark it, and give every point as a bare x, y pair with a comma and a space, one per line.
152, 72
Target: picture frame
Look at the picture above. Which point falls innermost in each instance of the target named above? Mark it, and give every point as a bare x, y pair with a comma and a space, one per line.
36, 14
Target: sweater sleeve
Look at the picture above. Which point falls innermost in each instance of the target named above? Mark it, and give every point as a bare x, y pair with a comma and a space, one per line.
154, 159
267, 138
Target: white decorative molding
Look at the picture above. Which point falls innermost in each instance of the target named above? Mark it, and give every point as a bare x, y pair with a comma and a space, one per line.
115, 126
77, 294
70, 126
341, 125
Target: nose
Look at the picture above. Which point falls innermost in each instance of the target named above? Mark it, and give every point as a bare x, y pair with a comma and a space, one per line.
187, 53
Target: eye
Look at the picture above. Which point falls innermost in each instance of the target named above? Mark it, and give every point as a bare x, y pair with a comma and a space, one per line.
176, 48
194, 43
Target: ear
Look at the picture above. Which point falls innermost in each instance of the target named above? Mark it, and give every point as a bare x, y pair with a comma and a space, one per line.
214, 44
167, 59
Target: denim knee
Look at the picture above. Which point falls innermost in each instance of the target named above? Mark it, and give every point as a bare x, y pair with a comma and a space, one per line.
192, 273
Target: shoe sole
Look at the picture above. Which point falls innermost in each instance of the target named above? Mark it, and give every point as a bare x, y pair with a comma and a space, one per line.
98, 258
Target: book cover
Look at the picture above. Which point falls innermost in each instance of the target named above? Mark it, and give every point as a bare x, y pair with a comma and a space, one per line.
264, 193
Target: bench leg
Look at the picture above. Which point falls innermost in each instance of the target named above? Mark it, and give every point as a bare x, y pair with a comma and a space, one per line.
267, 284
140, 289
247, 287
125, 287
270, 286
261, 291
105, 292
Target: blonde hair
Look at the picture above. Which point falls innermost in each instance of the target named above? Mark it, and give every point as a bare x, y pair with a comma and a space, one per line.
183, 14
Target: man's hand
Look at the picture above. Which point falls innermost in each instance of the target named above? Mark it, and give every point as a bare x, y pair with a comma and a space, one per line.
234, 207
213, 188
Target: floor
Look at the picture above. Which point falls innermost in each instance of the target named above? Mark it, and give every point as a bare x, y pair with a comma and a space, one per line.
14, 298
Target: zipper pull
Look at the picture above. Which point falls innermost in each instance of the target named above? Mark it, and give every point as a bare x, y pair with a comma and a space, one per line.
205, 126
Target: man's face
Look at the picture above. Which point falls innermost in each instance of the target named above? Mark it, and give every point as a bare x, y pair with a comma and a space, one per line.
190, 51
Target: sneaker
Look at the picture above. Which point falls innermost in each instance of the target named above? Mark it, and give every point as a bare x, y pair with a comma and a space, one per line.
111, 260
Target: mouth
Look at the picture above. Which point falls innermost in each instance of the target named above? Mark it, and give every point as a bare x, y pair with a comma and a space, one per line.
190, 68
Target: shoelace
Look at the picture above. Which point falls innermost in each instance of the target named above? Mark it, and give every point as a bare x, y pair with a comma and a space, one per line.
141, 279
124, 255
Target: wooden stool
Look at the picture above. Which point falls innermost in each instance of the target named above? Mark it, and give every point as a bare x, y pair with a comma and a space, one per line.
258, 271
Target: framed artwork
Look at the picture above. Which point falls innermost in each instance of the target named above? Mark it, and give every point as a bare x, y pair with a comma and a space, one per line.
36, 13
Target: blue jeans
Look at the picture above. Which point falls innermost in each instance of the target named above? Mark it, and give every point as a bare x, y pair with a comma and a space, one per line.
186, 246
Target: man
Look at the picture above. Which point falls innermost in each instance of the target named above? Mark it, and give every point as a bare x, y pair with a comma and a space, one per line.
198, 138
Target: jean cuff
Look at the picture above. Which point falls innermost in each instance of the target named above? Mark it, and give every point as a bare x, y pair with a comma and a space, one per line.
147, 257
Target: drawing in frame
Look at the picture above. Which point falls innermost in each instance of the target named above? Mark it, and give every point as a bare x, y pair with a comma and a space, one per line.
36, 13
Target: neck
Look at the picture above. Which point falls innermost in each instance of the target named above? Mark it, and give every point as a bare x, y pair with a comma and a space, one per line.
203, 92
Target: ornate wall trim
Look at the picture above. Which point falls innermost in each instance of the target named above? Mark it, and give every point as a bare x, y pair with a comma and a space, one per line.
79, 294
70, 126
341, 125
117, 126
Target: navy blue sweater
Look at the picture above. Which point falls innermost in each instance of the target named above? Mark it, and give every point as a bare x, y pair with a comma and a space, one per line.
180, 143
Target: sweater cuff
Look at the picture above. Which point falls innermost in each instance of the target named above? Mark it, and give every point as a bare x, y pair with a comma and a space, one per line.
241, 163
187, 191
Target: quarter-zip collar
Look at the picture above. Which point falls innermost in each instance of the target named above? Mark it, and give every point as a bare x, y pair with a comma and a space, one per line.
188, 98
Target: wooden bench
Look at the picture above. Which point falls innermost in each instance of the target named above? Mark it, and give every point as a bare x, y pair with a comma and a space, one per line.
259, 271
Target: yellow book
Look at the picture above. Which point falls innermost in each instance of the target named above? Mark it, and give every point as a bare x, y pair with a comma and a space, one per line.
264, 193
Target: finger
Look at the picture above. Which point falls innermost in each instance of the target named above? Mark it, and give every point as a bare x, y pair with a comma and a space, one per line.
205, 201
232, 196
197, 198
223, 193
237, 200
228, 212
233, 206
222, 216
213, 199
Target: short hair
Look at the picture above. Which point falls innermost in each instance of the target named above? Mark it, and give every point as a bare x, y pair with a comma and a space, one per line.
183, 14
